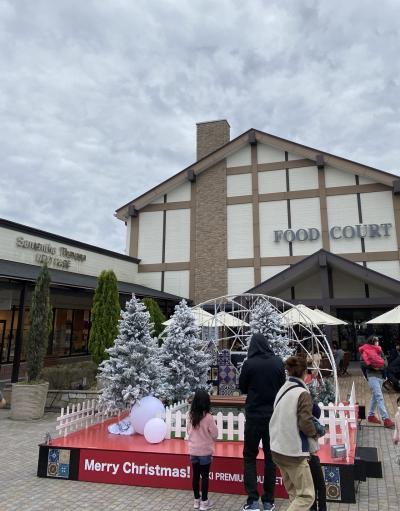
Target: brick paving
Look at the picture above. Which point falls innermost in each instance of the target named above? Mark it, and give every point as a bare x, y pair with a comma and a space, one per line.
21, 490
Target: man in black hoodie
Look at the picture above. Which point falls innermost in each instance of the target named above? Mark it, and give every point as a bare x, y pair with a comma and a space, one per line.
262, 375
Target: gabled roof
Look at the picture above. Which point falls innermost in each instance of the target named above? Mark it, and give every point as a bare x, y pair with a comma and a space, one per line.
298, 271
234, 145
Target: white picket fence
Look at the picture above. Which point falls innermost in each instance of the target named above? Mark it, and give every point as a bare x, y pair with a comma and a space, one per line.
339, 419
81, 416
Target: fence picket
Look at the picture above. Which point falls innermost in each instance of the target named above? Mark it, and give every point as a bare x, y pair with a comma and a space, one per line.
220, 425
230, 427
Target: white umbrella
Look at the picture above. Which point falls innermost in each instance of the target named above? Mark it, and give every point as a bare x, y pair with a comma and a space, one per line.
389, 317
225, 319
200, 316
330, 320
303, 315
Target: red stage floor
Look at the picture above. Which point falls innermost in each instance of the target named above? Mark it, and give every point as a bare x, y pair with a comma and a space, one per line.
97, 437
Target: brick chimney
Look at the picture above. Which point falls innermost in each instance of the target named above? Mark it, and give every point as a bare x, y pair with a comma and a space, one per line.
211, 136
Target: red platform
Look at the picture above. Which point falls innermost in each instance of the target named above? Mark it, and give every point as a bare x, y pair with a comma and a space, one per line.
95, 455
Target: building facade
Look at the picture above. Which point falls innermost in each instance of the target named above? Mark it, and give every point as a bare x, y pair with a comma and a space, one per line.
74, 267
251, 208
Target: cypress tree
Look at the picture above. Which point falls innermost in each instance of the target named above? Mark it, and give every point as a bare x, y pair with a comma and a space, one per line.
106, 311
40, 325
156, 315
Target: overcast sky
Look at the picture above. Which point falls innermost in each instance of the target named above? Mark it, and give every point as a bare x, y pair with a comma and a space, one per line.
99, 98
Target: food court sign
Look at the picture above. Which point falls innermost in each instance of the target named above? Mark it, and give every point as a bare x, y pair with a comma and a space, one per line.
57, 257
336, 232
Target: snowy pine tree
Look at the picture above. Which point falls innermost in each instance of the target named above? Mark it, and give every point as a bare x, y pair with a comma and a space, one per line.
266, 320
185, 363
132, 370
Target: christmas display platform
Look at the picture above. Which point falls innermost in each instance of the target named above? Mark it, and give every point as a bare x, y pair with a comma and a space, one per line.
95, 455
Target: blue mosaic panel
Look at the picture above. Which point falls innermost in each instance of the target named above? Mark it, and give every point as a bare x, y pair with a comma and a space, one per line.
58, 463
332, 482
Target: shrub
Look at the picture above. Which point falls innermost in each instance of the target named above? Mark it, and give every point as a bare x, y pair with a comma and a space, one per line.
40, 325
106, 312
81, 375
156, 315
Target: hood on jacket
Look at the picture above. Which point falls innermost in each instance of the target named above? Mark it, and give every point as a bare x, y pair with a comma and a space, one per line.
258, 346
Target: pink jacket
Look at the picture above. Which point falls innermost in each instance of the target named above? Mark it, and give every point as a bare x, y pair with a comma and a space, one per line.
396, 434
201, 439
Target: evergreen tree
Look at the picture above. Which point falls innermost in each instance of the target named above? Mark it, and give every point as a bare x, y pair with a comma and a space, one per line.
106, 312
40, 325
132, 370
185, 363
265, 320
322, 392
156, 315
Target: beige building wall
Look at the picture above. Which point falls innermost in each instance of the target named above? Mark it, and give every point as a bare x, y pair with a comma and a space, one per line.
214, 233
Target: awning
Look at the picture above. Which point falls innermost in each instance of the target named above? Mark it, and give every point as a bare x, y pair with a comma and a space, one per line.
389, 317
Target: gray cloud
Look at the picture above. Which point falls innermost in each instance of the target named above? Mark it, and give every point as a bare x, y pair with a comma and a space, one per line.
99, 99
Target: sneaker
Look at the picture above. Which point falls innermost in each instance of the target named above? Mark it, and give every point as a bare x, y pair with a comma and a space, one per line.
196, 504
373, 419
388, 423
206, 504
251, 506
268, 506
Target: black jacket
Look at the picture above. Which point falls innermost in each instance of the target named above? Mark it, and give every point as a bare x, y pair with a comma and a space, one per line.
262, 375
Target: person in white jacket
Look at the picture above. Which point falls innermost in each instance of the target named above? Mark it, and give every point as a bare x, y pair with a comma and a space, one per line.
290, 428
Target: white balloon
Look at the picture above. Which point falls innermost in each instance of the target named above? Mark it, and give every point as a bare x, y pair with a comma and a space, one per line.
155, 431
147, 408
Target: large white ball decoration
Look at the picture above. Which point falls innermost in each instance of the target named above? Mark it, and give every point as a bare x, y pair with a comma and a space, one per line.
147, 408
155, 431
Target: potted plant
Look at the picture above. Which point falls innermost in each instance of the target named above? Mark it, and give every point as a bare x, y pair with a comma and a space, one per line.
28, 398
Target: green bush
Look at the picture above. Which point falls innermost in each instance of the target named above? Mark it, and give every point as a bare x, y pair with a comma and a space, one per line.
156, 315
81, 375
39, 325
106, 312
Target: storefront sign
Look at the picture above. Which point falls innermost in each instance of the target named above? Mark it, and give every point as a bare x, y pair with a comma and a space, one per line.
46, 253
336, 232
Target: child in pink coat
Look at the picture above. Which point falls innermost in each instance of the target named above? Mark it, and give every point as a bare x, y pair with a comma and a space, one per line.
202, 433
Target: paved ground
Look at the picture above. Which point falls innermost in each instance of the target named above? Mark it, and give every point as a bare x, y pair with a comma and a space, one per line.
21, 490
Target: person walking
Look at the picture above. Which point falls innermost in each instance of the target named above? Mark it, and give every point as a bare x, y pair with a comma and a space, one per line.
202, 433
373, 366
291, 426
261, 377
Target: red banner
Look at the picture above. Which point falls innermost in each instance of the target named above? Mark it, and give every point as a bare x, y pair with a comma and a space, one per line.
164, 471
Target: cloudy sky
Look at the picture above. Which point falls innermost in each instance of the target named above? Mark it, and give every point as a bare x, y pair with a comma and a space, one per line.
99, 98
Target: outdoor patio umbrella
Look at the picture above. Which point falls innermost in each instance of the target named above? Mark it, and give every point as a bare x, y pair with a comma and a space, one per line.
201, 316
389, 317
225, 319
303, 315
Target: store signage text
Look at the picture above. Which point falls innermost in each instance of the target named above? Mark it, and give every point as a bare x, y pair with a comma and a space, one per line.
46, 253
336, 232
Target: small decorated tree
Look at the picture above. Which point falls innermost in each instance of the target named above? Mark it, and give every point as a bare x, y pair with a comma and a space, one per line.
156, 315
40, 325
182, 355
265, 320
132, 370
106, 312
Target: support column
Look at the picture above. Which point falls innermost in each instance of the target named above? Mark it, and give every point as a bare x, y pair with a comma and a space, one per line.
19, 336
256, 213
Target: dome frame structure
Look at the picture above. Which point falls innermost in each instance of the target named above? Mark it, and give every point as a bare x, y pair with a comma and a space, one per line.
305, 336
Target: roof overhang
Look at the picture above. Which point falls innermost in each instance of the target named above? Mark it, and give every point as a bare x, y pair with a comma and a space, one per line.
253, 136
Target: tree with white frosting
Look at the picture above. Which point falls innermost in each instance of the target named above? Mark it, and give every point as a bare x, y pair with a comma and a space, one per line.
132, 370
266, 320
182, 356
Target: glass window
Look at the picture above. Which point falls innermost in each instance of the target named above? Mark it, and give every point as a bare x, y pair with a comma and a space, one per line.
62, 332
80, 332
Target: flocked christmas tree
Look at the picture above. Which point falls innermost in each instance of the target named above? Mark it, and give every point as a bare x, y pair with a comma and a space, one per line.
266, 320
132, 370
185, 363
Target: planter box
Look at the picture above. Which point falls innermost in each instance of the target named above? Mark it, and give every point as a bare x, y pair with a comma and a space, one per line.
28, 401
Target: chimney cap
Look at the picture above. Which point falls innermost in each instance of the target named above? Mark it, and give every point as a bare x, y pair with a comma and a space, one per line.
212, 122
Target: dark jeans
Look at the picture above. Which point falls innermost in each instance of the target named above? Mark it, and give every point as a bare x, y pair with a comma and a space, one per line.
254, 431
203, 471
319, 483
